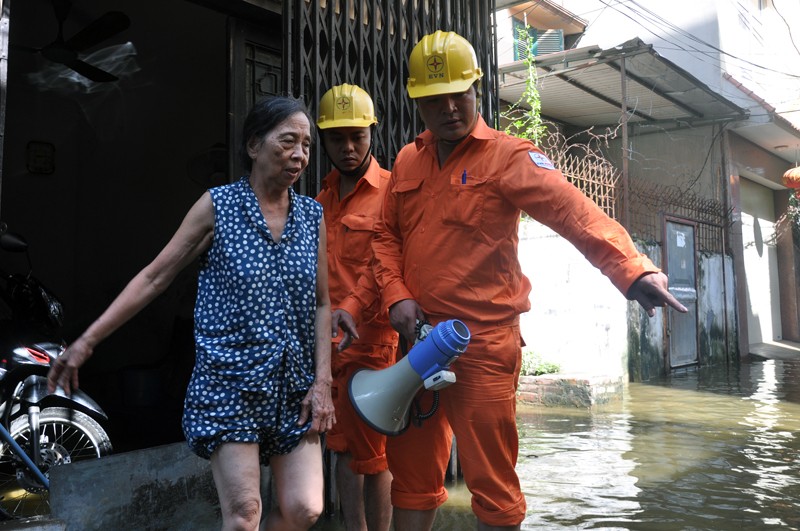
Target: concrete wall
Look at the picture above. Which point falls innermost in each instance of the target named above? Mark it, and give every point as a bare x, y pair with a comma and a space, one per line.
577, 317
165, 487
717, 331
580, 321
716, 327
687, 158
757, 38
646, 340
609, 26
761, 46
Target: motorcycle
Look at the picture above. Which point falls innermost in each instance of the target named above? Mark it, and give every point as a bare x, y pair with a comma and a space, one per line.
51, 429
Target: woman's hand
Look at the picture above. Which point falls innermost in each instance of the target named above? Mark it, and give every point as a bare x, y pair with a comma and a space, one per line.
318, 405
64, 371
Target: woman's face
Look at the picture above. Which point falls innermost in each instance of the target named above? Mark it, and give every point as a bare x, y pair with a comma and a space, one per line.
282, 155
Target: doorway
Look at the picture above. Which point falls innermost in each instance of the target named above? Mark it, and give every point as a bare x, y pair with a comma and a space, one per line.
682, 270
255, 71
760, 263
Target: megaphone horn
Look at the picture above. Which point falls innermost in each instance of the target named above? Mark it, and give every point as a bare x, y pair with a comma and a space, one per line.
383, 398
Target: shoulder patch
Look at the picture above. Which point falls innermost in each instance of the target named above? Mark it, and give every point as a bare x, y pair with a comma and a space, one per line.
541, 160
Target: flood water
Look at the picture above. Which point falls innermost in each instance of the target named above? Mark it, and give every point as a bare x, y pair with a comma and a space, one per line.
714, 448
711, 449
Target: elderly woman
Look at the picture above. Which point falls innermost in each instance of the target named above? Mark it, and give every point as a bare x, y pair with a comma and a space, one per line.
260, 390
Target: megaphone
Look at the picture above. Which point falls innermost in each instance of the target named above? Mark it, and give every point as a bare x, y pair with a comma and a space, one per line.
383, 398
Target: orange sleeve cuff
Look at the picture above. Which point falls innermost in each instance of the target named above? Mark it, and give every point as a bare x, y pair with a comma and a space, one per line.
352, 307
394, 293
624, 275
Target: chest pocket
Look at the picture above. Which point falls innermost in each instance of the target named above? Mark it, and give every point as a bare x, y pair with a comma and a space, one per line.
409, 203
407, 185
357, 238
463, 201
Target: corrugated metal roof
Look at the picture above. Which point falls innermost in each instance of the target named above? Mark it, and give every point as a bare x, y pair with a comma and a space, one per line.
544, 14
584, 87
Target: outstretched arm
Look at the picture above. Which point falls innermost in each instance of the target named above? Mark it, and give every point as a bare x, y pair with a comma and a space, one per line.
192, 238
651, 290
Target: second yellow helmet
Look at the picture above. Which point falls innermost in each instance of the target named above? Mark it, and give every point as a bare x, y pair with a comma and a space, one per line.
443, 62
346, 106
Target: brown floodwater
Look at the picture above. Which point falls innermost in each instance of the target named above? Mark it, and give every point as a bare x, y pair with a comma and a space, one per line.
713, 448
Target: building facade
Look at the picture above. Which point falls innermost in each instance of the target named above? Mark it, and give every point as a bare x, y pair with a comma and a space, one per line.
693, 104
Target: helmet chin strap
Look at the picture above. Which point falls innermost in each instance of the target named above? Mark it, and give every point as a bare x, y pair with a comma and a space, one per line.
458, 141
453, 142
361, 169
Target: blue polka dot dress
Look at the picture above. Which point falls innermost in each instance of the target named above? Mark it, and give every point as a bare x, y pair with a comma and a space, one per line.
254, 326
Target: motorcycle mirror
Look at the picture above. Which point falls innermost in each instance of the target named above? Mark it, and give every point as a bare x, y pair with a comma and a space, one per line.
13, 242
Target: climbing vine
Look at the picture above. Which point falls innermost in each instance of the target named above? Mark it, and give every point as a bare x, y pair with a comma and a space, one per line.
525, 116
790, 220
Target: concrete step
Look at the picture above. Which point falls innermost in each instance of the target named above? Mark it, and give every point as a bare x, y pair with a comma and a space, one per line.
167, 485
578, 390
34, 524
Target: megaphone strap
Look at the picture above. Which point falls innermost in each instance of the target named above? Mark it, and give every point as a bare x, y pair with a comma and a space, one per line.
422, 329
418, 417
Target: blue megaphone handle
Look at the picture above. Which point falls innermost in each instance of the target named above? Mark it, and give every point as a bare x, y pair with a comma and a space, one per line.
446, 342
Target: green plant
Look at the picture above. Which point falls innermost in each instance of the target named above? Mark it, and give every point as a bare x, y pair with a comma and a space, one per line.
793, 216
525, 116
534, 365
788, 221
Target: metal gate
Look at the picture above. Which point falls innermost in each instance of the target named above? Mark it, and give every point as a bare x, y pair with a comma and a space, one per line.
367, 43
682, 271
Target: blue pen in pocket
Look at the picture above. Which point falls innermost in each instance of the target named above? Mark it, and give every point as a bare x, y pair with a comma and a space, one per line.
464, 177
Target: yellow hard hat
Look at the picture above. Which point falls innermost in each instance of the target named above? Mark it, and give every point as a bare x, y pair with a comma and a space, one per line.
441, 63
346, 106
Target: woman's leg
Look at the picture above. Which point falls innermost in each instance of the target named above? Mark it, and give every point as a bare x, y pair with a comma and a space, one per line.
237, 476
299, 485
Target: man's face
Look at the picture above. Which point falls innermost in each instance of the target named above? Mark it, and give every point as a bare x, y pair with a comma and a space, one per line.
347, 147
449, 117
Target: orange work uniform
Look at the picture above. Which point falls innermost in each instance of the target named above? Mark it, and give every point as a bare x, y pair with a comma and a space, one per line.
350, 223
449, 241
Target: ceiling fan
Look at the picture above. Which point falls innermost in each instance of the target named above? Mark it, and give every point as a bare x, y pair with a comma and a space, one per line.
65, 51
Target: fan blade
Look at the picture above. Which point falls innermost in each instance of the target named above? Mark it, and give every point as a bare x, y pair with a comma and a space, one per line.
101, 29
90, 72
21, 48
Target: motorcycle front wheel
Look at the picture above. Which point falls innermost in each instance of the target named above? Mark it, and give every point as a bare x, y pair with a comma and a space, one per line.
66, 436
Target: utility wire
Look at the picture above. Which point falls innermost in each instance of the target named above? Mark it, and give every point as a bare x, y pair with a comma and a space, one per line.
788, 27
662, 20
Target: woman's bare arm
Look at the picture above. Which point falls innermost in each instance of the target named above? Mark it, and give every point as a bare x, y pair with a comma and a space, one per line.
192, 238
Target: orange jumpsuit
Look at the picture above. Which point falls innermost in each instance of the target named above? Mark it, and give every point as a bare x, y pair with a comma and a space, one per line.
350, 224
449, 241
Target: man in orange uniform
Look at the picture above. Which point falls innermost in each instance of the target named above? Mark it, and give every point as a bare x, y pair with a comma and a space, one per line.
447, 248
351, 198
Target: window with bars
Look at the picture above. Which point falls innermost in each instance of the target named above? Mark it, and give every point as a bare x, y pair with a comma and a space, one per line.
537, 41
524, 37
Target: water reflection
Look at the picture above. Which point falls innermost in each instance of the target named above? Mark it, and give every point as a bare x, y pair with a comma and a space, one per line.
709, 449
